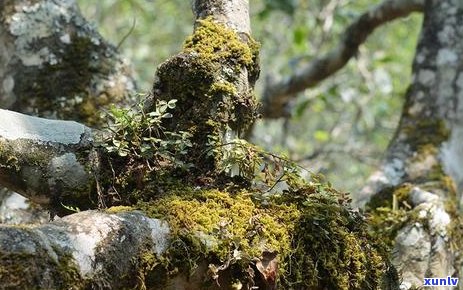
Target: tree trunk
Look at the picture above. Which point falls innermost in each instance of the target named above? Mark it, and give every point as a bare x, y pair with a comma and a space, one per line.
54, 64
422, 171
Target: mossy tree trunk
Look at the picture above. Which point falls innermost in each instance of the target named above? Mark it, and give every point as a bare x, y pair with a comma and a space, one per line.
422, 175
212, 79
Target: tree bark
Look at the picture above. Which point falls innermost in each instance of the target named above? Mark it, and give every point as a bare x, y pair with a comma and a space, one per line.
95, 249
212, 79
47, 161
88, 250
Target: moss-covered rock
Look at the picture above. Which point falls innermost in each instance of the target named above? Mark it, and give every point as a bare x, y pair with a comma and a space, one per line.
34, 268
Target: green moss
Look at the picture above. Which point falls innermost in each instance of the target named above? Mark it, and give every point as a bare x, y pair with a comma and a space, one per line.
205, 79
217, 43
225, 219
318, 241
391, 197
424, 134
333, 249
22, 270
385, 223
118, 209
150, 274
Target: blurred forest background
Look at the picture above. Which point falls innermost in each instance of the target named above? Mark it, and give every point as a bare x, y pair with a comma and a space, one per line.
339, 128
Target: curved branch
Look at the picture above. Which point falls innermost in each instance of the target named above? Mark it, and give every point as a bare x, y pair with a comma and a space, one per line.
276, 95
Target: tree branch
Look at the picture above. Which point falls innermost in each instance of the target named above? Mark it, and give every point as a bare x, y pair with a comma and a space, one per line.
54, 64
87, 250
48, 161
276, 95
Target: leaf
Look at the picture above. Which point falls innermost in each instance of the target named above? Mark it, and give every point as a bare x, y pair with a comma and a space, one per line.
171, 104
300, 108
321, 136
71, 208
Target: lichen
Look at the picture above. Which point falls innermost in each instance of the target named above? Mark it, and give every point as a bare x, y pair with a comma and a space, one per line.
67, 88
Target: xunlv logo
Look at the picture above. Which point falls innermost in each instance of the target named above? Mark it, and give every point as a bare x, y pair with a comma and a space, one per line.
449, 281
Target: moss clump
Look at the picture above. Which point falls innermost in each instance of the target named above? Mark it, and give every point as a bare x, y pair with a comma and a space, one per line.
388, 211
332, 248
217, 43
217, 223
150, 273
205, 78
118, 209
318, 241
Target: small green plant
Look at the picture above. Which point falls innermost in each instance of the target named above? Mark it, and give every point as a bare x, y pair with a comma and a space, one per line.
140, 135
266, 170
